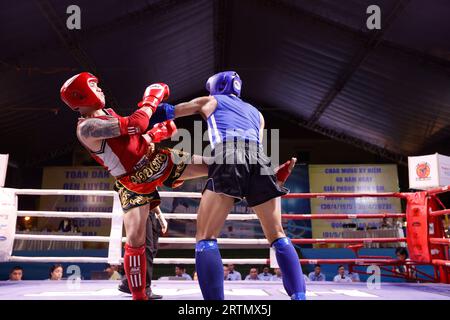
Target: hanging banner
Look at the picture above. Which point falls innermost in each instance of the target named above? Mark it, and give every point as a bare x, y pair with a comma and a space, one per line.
351, 179
77, 178
298, 182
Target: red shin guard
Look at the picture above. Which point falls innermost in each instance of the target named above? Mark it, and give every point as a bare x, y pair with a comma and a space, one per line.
135, 269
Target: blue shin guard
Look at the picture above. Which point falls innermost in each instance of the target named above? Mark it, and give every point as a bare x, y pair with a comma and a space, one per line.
291, 271
209, 268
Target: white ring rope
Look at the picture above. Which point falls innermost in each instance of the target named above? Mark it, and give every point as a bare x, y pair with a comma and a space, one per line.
57, 192
45, 237
65, 214
105, 260
114, 248
193, 216
108, 215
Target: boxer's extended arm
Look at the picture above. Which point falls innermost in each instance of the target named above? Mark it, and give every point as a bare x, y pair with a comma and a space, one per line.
202, 105
107, 127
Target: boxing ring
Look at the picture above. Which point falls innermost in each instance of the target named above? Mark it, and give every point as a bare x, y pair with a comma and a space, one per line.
425, 238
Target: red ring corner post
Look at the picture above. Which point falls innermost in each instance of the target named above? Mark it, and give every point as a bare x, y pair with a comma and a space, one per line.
425, 232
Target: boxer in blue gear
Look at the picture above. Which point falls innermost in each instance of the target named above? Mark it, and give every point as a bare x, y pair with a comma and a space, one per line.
209, 269
235, 129
164, 112
289, 264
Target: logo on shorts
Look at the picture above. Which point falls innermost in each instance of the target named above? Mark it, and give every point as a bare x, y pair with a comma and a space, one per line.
423, 171
2, 238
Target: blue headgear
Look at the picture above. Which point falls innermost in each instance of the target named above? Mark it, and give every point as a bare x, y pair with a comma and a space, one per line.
227, 82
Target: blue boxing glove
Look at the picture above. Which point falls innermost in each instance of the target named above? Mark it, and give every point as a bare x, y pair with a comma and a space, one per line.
164, 112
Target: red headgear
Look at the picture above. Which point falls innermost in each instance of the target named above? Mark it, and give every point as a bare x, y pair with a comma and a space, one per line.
78, 92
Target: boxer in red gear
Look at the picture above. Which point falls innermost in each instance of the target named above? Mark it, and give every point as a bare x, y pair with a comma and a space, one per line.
122, 146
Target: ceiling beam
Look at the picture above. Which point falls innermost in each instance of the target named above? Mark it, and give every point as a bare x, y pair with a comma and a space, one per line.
371, 43
71, 43
126, 20
288, 116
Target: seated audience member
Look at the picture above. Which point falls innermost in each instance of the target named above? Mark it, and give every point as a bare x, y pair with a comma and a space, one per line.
316, 275
402, 255
56, 272
305, 277
66, 225
226, 273
233, 274
341, 276
113, 272
16, 274
265, 275
253, 275
277, 276
180, 271
386, 224
354, 276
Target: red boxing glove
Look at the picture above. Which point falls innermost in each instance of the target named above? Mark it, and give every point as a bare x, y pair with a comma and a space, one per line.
284, 171
154, 94
162, 131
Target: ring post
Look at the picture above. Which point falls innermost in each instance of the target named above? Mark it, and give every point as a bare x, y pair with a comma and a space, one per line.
115, 240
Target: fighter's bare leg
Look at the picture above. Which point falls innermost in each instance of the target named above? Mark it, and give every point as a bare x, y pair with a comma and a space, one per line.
212, 213
134, 258
211, 216
196, 169
270, 216
134, 221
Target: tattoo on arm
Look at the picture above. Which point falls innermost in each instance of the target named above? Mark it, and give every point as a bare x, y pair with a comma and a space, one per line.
100, 128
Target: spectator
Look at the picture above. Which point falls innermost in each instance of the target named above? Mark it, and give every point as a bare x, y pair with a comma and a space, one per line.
305, 277
341, 276
277, 276
265, 275
317, 275
226, 273
56, 272
397, 224
67, 226
113, 273
402, 255
233, 274
354, 276
180, 271
386, 224
16, 274
195, 276
253, 275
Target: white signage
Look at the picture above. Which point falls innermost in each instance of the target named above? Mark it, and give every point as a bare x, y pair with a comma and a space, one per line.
8, 217
3, 168
429, 171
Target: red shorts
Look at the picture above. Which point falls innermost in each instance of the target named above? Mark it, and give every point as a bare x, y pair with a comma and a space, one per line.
154, 170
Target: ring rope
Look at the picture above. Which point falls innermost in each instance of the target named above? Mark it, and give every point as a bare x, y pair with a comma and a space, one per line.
242, 217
